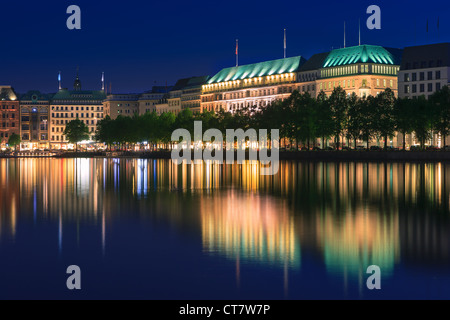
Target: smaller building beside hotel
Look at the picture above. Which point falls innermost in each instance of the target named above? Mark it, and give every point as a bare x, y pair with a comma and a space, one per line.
9, 111
34, 120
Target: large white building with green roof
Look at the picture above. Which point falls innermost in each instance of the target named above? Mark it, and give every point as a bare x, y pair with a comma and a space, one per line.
364, 70
256, 84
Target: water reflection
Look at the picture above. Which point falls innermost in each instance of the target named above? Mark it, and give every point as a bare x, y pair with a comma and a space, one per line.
351, 215
249, 227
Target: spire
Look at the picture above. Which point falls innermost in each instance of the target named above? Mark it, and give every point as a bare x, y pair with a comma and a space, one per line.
285, 43
77, 83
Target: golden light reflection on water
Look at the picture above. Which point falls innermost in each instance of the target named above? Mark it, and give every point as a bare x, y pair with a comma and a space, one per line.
350, 214
358, 240
249, 227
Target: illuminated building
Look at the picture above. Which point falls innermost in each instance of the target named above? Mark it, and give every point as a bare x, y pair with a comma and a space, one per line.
149, 99
424, 70
121, 104
173, 101
364, 70
191, 95
9, 110
185, 94
163, 106
68, 105
256, 84
132, 103
34, 120
309, 73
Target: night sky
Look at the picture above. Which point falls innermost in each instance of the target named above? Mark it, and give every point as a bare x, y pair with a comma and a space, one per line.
142, 43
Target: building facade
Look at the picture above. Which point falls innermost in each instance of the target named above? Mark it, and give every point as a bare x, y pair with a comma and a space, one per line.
34, 120
185, 94
9, 110
364, 70
424, 70
191, 94
148, 100
68, 105
121, 104
251, 85
309, 73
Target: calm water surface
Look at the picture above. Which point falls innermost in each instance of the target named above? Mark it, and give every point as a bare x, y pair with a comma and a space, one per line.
148, 229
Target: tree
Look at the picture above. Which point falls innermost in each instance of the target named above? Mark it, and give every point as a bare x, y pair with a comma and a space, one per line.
339, 106
384, 125
104, 132
14, 141
354, 118
76, 131
208, 118
304, 118
403, 118
367, 118
225, 121
185, 120
422, 119
440, 106
324, 118
165, 127
149, 128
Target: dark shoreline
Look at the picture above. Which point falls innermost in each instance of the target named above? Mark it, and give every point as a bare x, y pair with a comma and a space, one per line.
323, 156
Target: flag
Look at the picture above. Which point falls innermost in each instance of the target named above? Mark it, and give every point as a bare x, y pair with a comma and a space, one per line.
237, 46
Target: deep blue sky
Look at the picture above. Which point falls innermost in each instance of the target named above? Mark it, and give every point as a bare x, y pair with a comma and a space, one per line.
139, 42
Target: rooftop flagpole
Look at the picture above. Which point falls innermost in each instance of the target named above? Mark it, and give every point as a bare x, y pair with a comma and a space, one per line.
285, 43
344, 35
360, 32
237, 53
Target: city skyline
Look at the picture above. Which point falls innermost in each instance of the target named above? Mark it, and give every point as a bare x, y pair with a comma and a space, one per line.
132, 64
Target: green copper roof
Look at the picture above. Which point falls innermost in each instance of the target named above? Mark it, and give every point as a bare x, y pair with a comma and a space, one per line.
363, 54
34, 96
261, 69
67, 95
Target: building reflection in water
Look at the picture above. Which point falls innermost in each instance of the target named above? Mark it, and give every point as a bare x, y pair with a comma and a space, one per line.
349, 214
249, 227
9, 198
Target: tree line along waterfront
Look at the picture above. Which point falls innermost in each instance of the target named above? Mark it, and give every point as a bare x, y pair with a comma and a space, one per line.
337, 122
